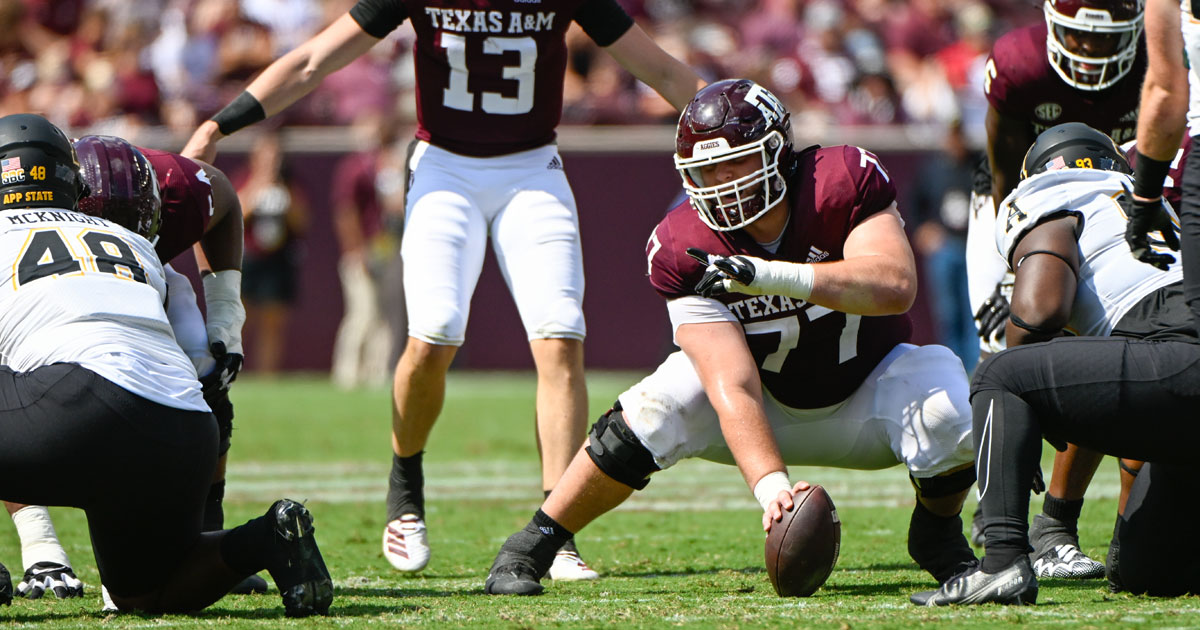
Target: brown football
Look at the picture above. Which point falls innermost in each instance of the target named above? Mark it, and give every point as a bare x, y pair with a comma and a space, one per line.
802, 548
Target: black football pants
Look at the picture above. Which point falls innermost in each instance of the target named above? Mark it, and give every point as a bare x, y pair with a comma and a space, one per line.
1129, 398
139, 470
1189, 218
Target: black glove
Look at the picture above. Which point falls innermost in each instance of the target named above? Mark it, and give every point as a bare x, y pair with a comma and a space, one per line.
993, 314
719, 270
1145, 217
50, 576
226, 371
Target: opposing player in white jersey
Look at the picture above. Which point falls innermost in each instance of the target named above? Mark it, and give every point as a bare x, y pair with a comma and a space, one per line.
97, 396
1127, 385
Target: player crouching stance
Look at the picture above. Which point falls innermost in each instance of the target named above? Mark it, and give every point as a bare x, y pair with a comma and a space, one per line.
792, 331
96, 394
1128, 385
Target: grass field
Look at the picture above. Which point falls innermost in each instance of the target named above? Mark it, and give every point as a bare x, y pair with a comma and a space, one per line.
686, 552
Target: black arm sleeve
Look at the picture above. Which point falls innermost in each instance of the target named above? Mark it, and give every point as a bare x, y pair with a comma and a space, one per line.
377, 18
603, 20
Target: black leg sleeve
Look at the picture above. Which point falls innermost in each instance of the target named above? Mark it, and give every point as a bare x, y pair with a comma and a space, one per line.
1008, 446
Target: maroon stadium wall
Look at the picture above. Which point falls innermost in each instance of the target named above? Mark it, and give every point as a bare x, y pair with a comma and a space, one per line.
621, 196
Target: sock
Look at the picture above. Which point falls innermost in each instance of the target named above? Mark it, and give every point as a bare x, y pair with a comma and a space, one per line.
570, 544
214, 510
39, 541
937, 543
1066, 512
1008, 445
247, 548
406, 487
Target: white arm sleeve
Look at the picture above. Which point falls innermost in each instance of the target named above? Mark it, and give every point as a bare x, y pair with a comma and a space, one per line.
187, 322
693, 309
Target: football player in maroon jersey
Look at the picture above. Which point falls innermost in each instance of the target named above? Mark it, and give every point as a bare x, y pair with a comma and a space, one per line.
490, 83
787, 278
1082, 64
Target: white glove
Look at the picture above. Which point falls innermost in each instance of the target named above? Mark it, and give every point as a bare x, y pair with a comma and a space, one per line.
223, 297
50, 576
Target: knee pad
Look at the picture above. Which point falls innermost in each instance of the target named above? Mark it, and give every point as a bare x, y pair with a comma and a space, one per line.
944, 485
618, 453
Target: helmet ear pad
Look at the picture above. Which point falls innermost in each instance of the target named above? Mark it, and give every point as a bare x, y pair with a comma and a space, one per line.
728, 120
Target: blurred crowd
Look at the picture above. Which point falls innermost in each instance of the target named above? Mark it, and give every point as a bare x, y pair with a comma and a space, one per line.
113, 65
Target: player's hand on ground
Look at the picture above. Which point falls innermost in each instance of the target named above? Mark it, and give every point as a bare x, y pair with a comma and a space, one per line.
51, 577
724, 274
993, 314
1146, 216
783, 502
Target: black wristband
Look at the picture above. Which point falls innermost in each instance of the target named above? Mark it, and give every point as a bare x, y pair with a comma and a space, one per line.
243, 111
1148, 176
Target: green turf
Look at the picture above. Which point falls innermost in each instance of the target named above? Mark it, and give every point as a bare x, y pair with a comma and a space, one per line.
687, 552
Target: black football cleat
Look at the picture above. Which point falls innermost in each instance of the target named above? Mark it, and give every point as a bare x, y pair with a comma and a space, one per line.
1015, 584
299, 570
513, 573
251, 585
6, 587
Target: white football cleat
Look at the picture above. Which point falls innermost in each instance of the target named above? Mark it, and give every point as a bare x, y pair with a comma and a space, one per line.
405, 543
569, 567
107, 601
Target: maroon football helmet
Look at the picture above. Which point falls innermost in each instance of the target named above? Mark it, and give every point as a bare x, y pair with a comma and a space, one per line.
730, 120
1092, 44
124, 188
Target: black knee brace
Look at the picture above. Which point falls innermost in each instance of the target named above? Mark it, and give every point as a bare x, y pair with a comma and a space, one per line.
618, 453
944, 485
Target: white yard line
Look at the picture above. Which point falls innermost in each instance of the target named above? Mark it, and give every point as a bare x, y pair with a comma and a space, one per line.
706, 485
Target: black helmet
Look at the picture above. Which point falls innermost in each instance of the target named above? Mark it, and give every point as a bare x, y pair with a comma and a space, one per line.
1073, 145
38, 168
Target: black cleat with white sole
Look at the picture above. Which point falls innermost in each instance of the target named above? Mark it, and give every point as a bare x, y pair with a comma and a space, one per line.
514, 573
1015, 584
298, 569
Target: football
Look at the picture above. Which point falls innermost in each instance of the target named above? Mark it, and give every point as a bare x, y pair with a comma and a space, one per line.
803, 546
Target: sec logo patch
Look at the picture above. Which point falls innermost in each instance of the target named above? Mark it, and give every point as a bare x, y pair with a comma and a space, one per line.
1048, 111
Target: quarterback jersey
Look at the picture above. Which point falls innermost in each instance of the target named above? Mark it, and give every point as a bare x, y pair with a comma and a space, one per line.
1110, 280
79, 289
1019, 82
809, 356
187, 203
490, 72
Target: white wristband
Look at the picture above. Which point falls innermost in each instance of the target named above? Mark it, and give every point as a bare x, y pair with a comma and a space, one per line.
777, 277
768, 488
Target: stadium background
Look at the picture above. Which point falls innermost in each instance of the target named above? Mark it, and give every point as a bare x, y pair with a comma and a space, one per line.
883, 74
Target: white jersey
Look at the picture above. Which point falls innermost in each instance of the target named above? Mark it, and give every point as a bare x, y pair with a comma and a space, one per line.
1111, 280
79, 289
1191, 45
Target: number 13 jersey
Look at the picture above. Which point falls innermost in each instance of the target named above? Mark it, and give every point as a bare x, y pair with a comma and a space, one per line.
79, 289
809, 356
490, 72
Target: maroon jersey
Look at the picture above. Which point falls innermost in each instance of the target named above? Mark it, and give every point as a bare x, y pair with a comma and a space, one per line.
187, 204
809, 356
490, 72
1020, 83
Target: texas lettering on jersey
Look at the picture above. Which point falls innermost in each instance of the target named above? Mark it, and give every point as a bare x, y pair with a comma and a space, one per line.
809, 356
476, 21
1020, 83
